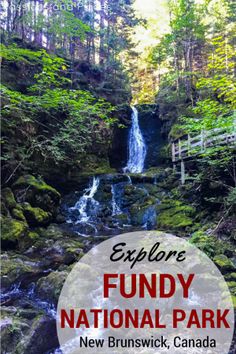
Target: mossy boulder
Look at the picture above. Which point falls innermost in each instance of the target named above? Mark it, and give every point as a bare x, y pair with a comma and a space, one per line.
36, 216
224, 263
231, 276
12, 331
18, 214
133, 194
49, 287
15, 270
8, 198
4, 210
40, 338
175, 216
122, 219
13, 231
104, 193
210, 244
38, 193
174, 222
144, 212
53, 231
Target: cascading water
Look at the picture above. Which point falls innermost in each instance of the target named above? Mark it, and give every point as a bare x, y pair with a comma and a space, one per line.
137, 147
83, 215
87, 202
115, 207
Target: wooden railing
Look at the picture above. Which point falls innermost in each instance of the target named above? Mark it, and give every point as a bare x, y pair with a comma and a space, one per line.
188, 146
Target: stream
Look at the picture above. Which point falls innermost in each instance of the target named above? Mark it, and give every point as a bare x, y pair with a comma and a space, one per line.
109, 205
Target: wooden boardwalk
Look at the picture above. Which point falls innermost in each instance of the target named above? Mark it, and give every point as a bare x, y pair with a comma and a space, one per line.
188, 146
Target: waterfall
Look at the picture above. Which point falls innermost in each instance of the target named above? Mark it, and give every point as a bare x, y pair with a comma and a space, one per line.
137, 147
87, 203
115, 207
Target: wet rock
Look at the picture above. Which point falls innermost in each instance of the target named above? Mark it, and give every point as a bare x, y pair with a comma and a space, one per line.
53, 231
41, 337
132, 194
49, 287
153, 190
36, 216
60, 219
27, 313
55, 247
16, 270
122, 219
104, 193
12, 331
144, 213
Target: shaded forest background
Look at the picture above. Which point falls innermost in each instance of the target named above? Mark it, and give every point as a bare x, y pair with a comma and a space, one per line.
70, 71
67, 56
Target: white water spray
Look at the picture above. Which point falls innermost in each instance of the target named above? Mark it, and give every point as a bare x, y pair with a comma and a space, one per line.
115, 207
137, 147
87, 201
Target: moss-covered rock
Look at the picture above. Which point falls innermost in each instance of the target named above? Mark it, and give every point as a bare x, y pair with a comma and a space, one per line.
12, 331
231, 276
8, 198
15, 270
144, 212
37, 193
232, 286
4, 210
38, 184
18, 214
49, 287
224, 263
210, 244
40, 338
12, 232
174, 222
122, 219
133, 194
175, 216
36, 216
104, 193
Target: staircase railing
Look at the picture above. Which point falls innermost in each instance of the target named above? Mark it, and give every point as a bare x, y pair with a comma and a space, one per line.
189, 146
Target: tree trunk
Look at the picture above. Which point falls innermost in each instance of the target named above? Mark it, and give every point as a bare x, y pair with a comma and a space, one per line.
102, 33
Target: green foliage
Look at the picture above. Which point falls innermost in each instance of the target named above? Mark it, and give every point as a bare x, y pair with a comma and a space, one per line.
53, 69
231, 199
17, 54
52, 75
86, 119
58, 123
216, 108
72, 26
